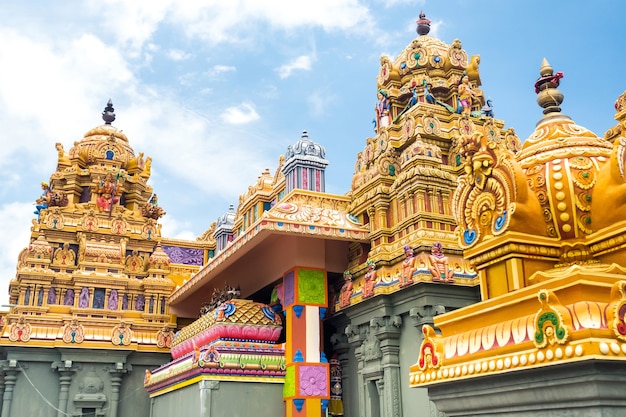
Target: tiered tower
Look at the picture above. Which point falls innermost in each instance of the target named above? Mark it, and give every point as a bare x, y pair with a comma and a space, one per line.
91, 288
428, 97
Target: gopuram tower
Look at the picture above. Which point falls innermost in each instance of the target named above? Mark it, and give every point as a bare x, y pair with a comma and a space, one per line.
91, 288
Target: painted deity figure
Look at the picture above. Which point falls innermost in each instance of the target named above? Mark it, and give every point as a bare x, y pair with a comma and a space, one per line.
68, 300
346, 290
370, 279
83, 298
408, 267
113, 300
383, 110
42, 202
439, 265
106, 189
466, 94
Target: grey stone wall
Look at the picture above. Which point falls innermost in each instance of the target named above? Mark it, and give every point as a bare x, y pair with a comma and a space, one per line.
208, 398
378, 340
42, 382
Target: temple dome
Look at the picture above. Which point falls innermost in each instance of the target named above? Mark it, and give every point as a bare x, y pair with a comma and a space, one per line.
561, 161
104, 144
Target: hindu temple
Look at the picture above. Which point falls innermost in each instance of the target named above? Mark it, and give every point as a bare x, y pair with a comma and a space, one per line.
467, 272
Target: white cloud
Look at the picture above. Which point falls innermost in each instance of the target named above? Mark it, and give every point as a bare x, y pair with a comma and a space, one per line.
221, 69
214, 21
302, 62
15, 220
178, 55
242, 114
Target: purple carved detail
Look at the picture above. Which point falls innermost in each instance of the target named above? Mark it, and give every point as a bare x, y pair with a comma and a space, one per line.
113, 300
313, 381
185, 256
289, 288
83, 298
68, 300
140, 302
52, 296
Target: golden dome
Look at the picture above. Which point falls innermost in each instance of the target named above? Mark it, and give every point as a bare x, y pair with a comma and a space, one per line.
561, 161
105, 145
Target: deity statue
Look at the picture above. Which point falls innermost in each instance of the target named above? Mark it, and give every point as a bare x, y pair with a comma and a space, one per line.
68, 300
370, 279
145, 173
346, 290
83, 298
43, 201
113, 300
106, 189
466, 95
439, 265
408, 267
383, 110
63, 158
151, 209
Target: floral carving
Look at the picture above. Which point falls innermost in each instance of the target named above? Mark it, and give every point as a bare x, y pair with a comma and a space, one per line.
313, 381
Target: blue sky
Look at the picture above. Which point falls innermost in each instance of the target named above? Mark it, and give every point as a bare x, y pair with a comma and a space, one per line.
214, 91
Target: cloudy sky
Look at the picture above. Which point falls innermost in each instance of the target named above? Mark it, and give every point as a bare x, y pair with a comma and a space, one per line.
214, 91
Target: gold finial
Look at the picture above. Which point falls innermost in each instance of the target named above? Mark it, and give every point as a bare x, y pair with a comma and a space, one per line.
548, 95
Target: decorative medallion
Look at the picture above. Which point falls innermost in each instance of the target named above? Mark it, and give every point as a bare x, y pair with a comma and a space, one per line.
121, 335
73, 332
616, 311
89, 222
20, 331
119, 227
432, 126
408, 128
55, 220
164, 337
149, 232
550, 321
431, 350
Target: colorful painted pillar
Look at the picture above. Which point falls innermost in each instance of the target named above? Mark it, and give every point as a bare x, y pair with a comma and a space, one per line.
307, 380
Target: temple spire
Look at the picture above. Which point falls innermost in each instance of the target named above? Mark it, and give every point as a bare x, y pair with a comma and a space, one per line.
548, 95
108, 115
423, 25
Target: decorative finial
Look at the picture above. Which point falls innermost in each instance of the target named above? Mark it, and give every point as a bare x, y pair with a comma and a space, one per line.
423, 25
305, 135
108, 114
548, 95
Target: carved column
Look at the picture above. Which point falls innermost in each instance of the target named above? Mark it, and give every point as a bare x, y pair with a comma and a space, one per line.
356, 337
66, 372
10, 378
117, 374
381, 214
387, 330
1, 389
342, 348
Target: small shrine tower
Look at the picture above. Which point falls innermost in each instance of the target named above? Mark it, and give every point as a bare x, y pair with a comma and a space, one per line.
304, 166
